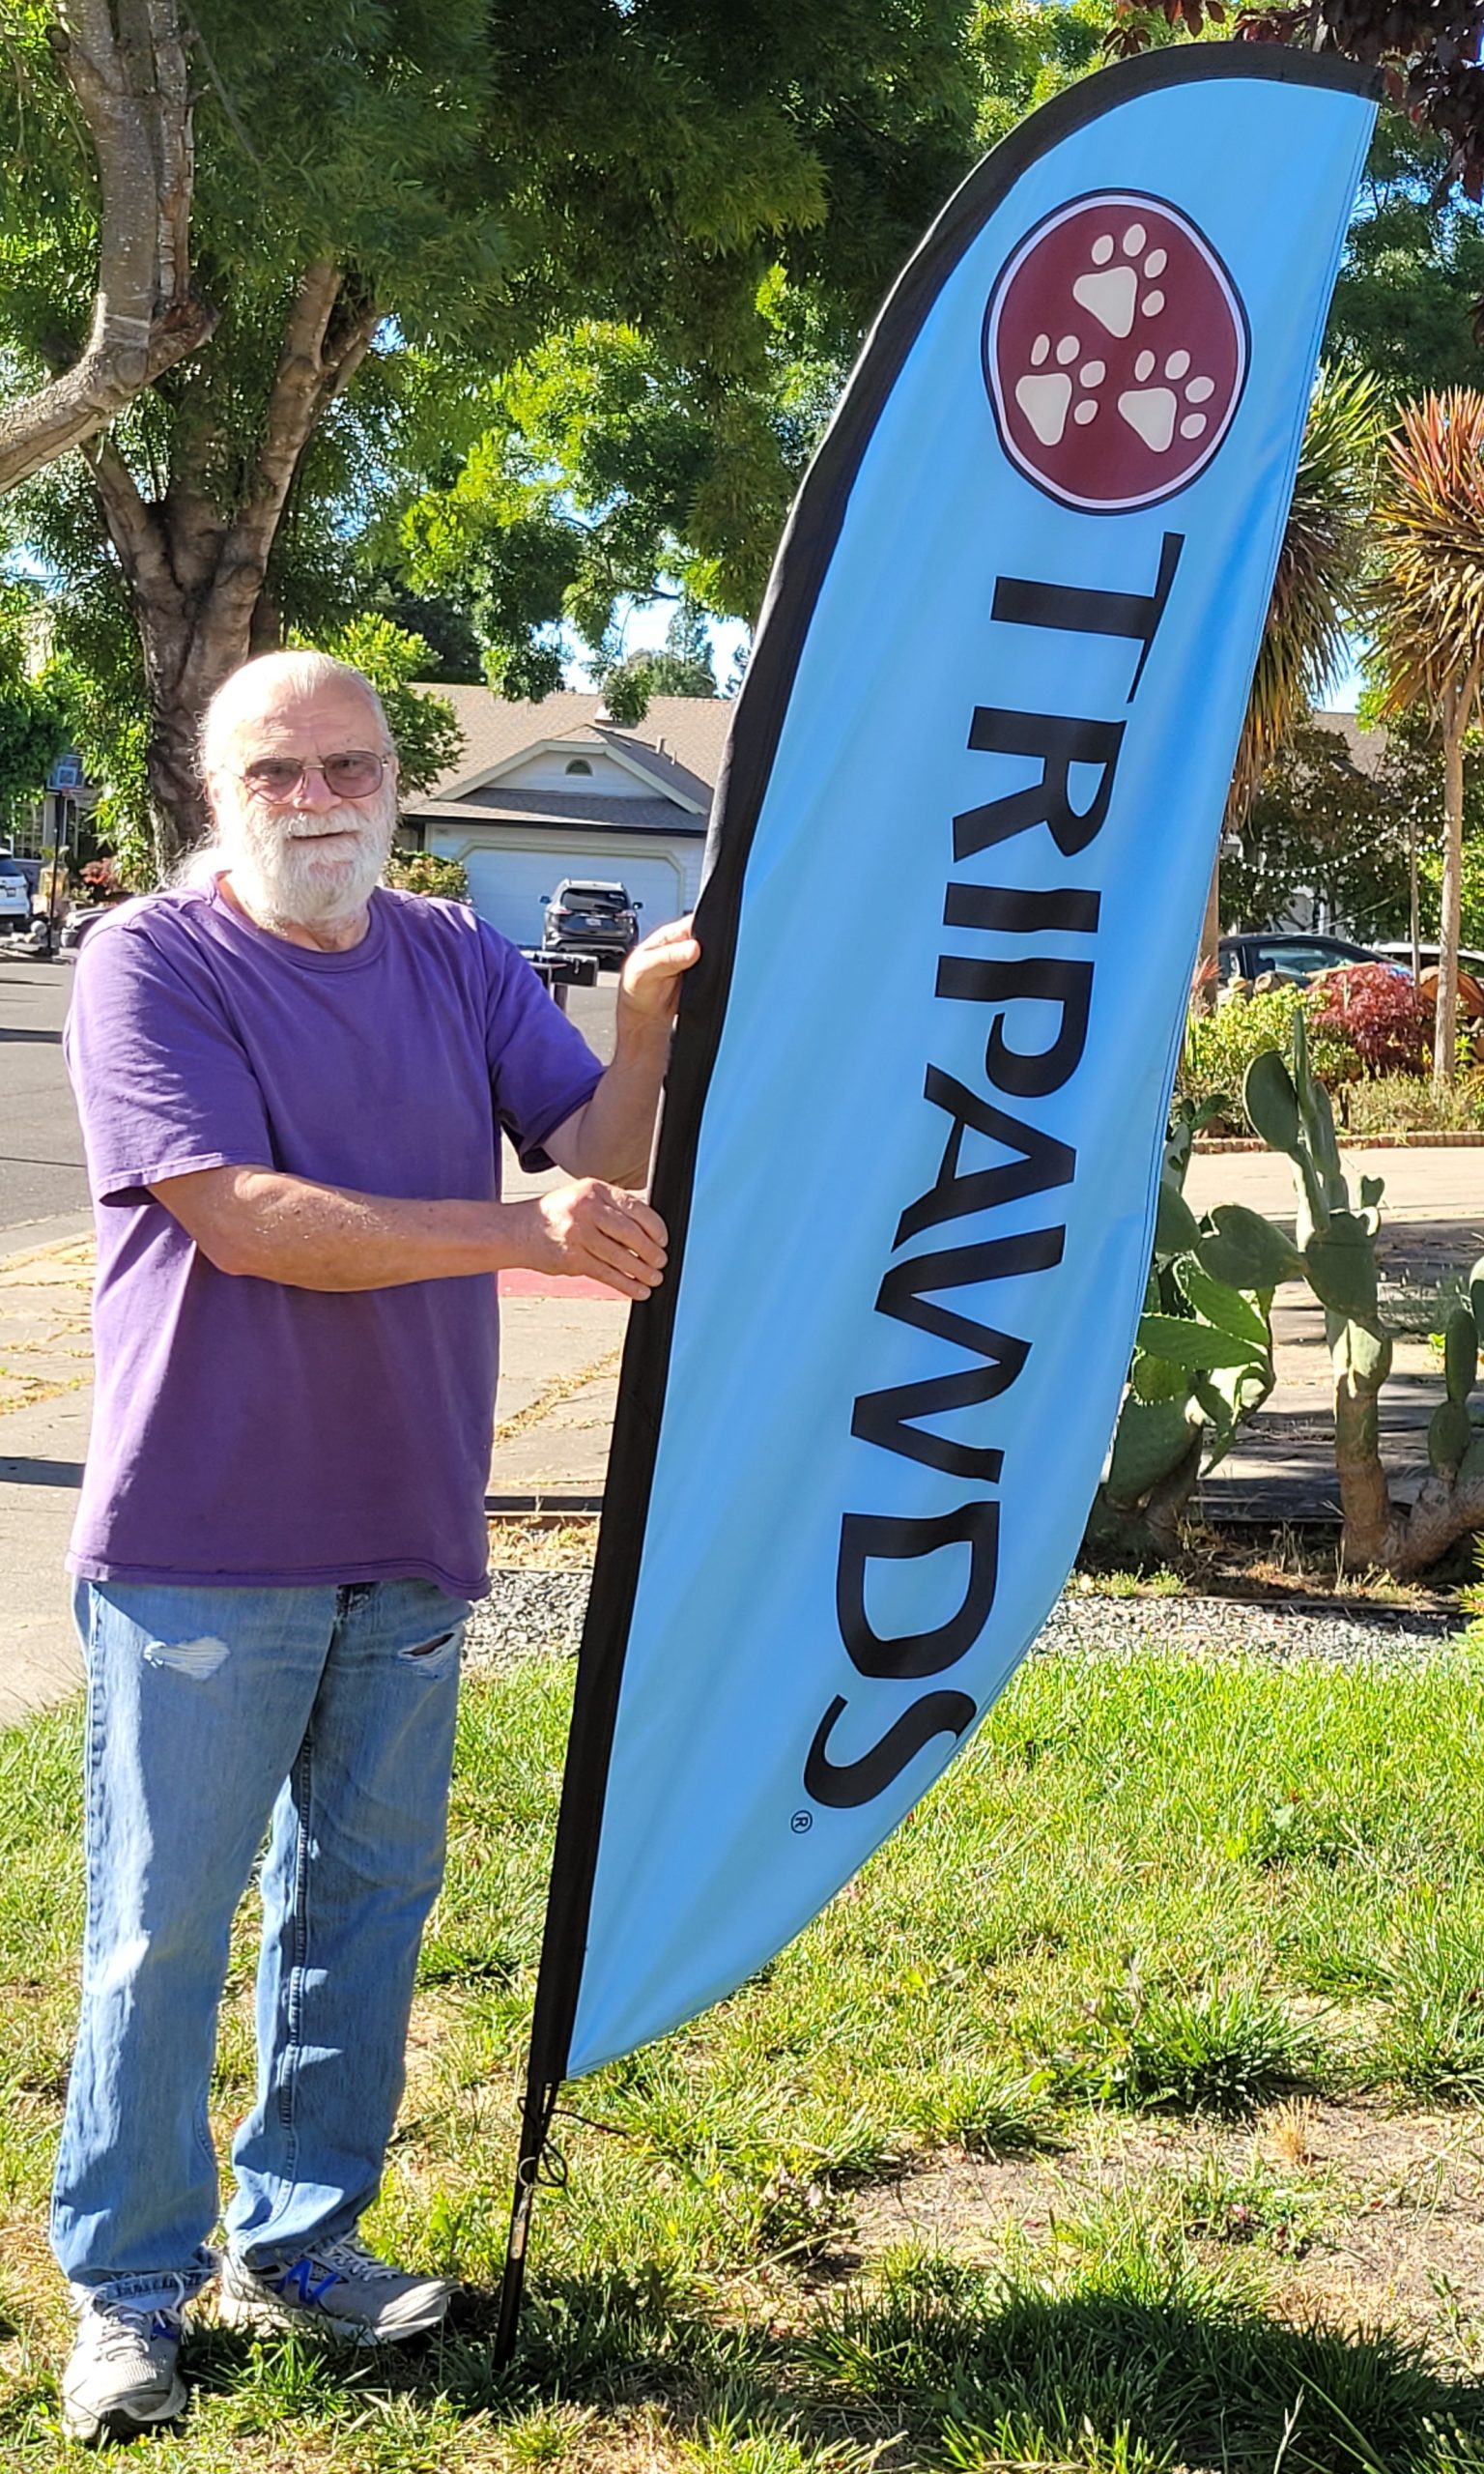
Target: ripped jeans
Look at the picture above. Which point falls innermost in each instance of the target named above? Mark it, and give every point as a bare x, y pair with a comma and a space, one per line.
325, 1716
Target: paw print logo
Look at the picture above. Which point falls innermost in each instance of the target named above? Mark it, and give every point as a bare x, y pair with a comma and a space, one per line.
1114, 353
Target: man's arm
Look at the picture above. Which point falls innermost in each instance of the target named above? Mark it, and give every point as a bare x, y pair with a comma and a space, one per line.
611, 1134
258, 1224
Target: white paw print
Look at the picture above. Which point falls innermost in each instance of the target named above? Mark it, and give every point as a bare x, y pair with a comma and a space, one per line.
1045, 395
1153, 411
1111, 293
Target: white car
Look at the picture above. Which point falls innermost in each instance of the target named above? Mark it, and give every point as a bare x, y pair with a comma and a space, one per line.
14, 899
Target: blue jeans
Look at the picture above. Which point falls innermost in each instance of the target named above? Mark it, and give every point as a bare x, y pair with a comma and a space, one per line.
325, 1716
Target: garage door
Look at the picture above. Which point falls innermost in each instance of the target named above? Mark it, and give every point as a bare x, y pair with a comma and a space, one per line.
508, 887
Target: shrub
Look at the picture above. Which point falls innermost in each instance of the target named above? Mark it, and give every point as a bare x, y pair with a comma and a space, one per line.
1407, 1103
1219, 1047
1384, 1017
424, 872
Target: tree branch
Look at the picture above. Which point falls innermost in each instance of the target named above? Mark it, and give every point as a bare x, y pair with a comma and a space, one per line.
321, 353
132, 89
138, 531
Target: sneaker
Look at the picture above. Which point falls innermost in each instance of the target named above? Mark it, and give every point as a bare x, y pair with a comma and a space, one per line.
121, 2378
339, 2287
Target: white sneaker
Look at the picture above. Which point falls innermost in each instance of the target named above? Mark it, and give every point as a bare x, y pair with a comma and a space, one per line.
121, 2378
340, 2288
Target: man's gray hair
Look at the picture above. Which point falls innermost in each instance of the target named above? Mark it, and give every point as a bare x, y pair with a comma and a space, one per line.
300, 672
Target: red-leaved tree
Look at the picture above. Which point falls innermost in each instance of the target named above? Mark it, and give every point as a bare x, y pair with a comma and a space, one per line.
1385, 1017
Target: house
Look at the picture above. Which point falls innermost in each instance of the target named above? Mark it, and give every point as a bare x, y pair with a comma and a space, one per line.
556, 789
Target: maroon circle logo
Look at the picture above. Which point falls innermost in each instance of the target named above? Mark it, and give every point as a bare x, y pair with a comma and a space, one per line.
1114, 353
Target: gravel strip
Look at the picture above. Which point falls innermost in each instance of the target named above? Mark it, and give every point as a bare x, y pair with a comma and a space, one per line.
536, 1614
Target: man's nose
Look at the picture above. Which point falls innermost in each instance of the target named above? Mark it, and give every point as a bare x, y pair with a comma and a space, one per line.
313, 792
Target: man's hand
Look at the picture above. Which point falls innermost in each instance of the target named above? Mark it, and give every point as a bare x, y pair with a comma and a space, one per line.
611, 1136
649, 983
591, 1230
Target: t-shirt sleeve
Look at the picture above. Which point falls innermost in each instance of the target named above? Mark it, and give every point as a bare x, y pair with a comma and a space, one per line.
164, 1086
541, 1068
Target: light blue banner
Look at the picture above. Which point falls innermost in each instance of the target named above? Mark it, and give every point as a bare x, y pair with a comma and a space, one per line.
1021, 673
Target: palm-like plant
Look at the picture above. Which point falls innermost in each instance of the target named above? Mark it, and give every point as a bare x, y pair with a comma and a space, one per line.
1428, 611
1319, 559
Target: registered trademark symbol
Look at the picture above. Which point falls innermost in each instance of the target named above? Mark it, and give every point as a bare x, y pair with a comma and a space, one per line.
800, 1823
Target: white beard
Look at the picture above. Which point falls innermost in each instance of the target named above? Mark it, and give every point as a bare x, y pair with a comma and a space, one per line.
287, 872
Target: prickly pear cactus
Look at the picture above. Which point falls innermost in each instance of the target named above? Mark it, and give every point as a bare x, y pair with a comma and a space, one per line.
1336, 1254
1202, 1361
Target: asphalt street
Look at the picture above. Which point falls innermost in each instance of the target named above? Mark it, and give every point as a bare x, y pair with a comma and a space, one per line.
42, 1176
42, 1184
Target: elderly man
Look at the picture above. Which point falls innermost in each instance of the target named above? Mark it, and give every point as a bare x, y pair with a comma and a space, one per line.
291, 1084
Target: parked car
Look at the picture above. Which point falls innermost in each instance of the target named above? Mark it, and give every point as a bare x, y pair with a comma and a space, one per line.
1397, 950
1297, 958
585, 916
14, 897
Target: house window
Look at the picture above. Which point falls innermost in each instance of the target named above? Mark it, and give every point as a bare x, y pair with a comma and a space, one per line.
578, 764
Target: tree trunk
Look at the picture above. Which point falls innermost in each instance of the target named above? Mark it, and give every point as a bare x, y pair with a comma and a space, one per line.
197, 573
1456, 705
133, 89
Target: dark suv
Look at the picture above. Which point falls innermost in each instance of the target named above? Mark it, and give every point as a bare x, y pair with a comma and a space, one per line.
586, 917
1297, 958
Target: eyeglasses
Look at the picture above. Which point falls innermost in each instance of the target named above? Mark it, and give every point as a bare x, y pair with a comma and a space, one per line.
353, 774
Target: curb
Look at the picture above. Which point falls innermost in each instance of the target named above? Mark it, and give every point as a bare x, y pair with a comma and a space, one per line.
1420, 1141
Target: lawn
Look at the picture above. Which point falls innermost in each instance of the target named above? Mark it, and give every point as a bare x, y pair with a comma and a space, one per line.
1123, 2115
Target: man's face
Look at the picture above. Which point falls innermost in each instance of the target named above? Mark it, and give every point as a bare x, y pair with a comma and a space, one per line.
304, 854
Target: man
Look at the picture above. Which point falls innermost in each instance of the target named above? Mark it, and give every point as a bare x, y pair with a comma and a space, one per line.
291, 1084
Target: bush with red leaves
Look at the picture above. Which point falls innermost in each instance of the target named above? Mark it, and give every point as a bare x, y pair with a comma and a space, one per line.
1385, 1019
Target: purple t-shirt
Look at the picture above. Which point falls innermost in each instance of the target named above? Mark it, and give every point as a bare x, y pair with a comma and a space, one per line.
254, 1434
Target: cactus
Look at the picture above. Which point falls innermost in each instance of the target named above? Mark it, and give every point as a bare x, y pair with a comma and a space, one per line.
1246, 1250
1461, 1353
1337, 1254
1202, 1362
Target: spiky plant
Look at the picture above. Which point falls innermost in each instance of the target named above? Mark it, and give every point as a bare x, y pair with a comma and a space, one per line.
1428, 615
1318, 562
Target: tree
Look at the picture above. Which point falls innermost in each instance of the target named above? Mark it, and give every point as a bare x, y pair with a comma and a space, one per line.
123, 67
682, 666
395, 202
33, 723
1429, 625
1303, 633
1407, 293
1321, 825
613, 464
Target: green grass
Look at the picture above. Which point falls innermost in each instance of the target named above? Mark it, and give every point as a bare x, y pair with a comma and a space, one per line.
1153, 1889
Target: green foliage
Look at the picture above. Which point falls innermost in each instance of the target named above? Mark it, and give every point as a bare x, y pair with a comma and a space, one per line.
1304, 641
681, 667
1393, 1103
1219, 1047
424, 872
424, 729
1025, 51
33, 719
1321, 825
1413, 270
1202, 1359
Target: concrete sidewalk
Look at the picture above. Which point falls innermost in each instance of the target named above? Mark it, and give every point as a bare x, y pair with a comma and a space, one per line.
562, 1344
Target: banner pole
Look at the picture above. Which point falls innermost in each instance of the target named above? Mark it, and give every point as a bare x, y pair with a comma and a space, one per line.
536, 2112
